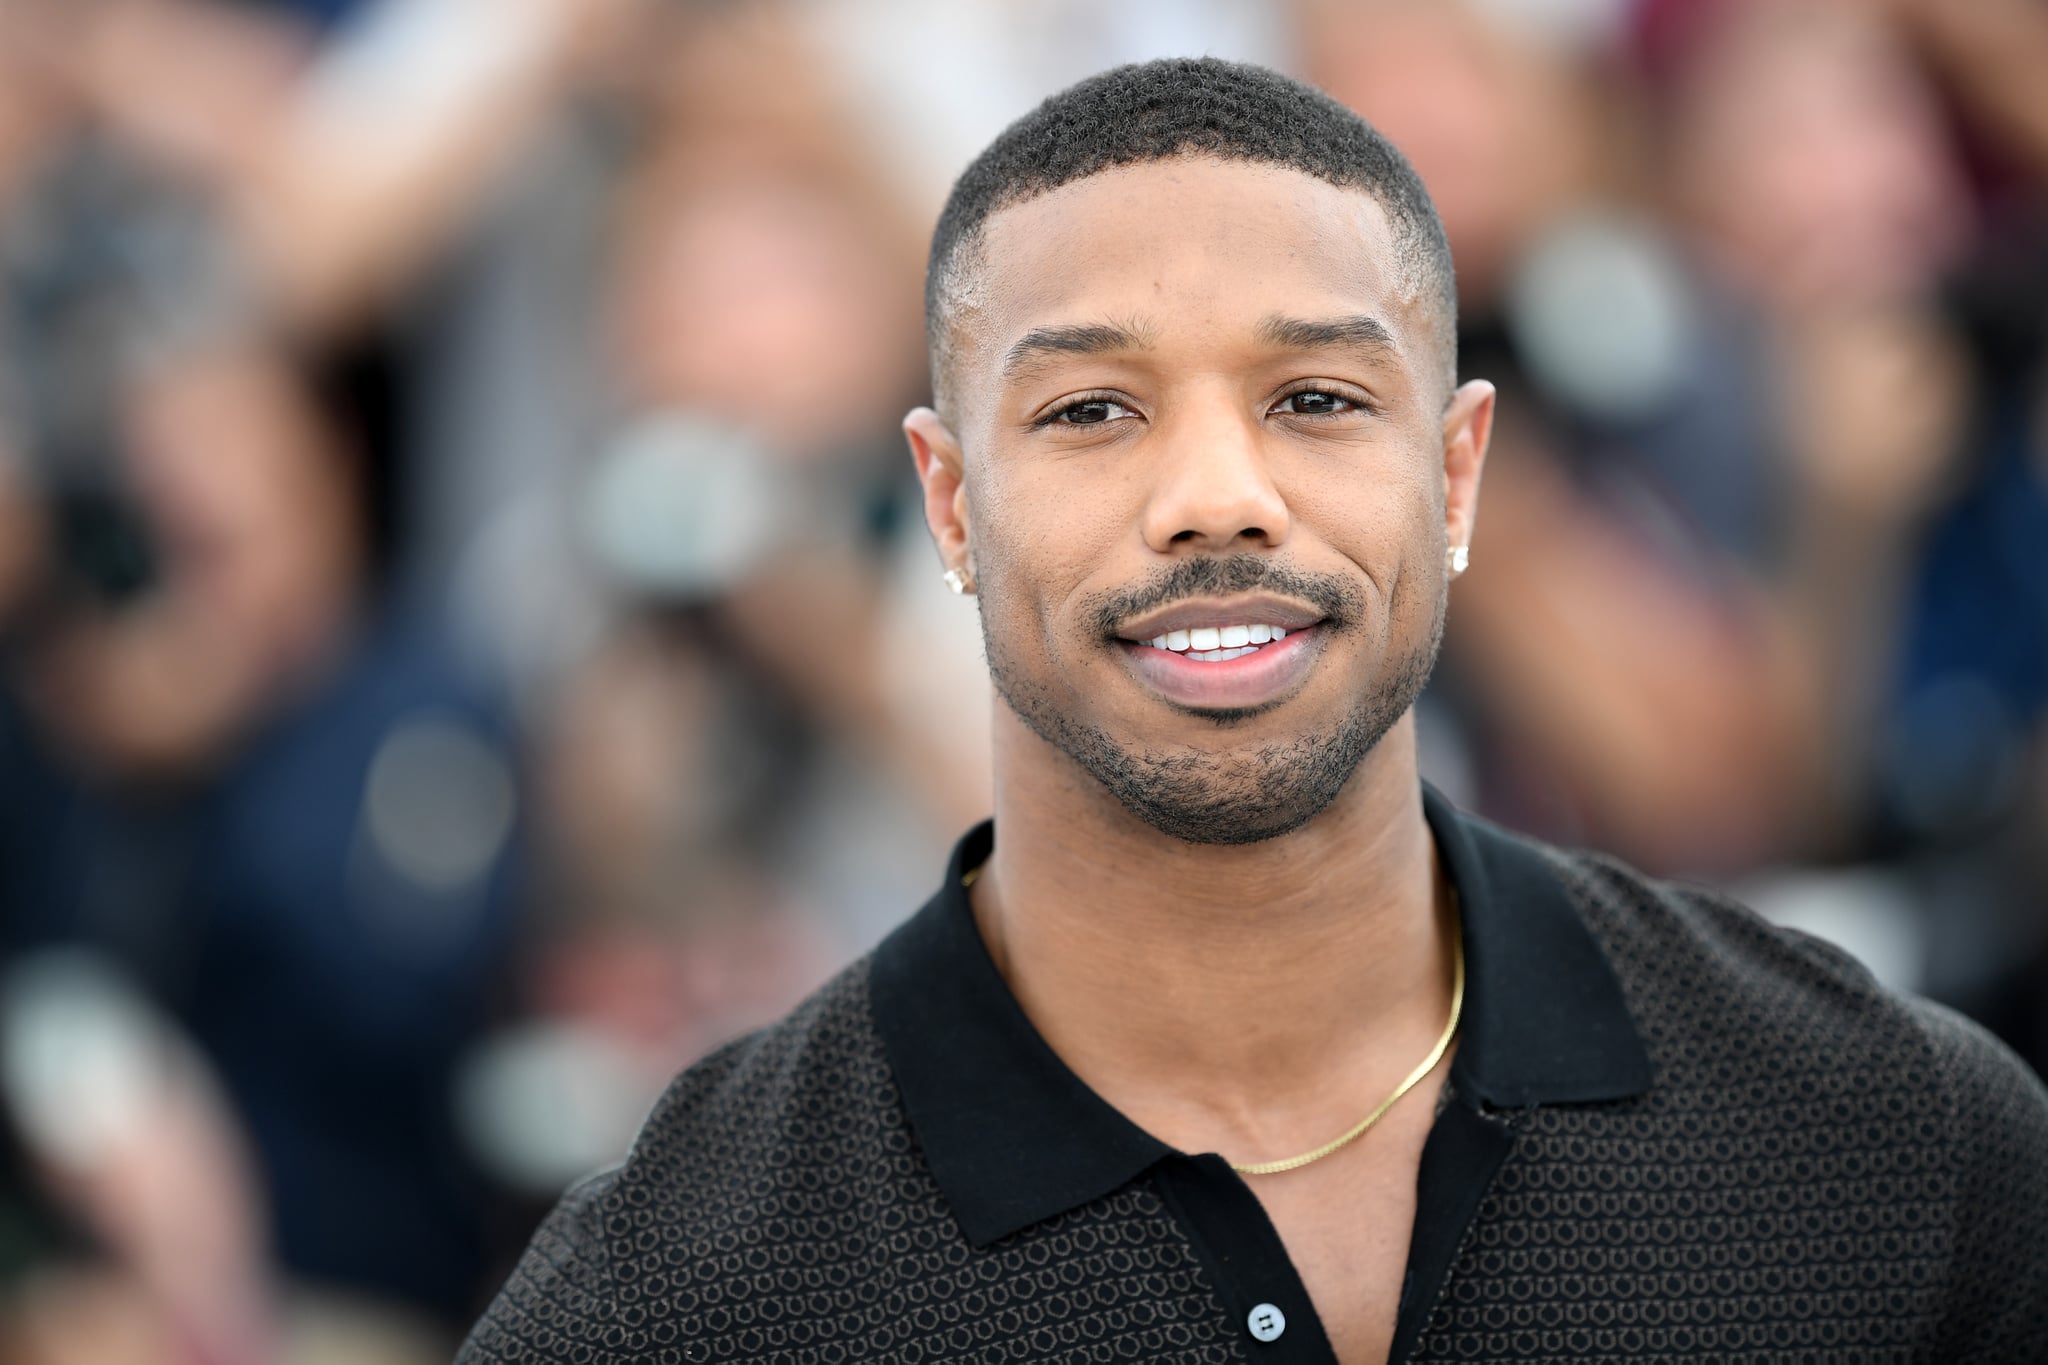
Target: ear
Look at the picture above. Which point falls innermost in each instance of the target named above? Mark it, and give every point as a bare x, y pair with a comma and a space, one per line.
936, 452
1468, 428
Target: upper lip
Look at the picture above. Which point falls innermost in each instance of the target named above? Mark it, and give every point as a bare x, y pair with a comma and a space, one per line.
1195, 612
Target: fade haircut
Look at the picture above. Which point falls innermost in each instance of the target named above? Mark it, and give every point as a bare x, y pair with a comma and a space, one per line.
1187, 106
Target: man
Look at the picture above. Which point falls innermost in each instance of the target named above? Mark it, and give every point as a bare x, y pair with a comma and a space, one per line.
1157, 1073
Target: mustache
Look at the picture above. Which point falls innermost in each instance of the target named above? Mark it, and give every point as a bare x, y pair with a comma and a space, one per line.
1336, 599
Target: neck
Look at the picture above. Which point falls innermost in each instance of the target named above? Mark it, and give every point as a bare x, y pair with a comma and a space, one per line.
1236, 998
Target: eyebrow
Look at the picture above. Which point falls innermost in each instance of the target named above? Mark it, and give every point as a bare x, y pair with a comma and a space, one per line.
1359, 332
1099, 338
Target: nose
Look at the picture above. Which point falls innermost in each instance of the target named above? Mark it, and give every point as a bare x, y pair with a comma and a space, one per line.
1212, 485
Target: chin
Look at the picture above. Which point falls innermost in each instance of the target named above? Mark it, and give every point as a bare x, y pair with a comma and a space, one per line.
1242, 793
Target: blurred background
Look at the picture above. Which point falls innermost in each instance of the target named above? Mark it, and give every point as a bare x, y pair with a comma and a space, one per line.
468, 643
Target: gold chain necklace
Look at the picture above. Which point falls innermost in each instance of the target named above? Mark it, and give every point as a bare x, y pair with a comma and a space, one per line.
1436, 1054
1415, 1077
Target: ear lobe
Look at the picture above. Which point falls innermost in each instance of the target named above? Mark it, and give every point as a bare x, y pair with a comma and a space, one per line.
1468, 430
936, 452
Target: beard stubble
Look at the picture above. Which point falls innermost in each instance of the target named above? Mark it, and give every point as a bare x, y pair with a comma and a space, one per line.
1226, 797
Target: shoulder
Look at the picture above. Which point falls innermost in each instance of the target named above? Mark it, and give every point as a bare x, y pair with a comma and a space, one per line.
1696, 964
795, 1085
777, 1136
1983, 1075
1887, 1119
1772, 1018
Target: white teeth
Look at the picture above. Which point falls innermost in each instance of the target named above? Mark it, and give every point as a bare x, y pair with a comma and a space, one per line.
1212, 643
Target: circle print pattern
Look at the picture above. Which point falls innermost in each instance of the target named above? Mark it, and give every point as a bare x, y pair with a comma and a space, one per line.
1798, 1184
777, 1209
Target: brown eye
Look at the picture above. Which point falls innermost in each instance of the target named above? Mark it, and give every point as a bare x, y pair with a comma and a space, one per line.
1089, 412
1315, 403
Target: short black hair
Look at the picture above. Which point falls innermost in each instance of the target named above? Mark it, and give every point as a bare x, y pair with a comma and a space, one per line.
1187, 106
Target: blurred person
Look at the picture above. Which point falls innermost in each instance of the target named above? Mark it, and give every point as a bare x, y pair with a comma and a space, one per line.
405, 168
415, 171
1200, 452
1816, 172
739, 679
268, 794
339, 156
1817, 183
742, 511
1825, 199
127, 1129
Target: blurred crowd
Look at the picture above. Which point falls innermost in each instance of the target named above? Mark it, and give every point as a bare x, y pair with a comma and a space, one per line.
468, 643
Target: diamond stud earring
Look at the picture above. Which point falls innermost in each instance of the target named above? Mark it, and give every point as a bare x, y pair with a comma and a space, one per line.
959, 580
1459, 557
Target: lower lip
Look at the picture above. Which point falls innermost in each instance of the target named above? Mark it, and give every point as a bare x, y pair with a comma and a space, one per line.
1260, 678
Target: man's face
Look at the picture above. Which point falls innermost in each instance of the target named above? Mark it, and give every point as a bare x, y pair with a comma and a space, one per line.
1202, 485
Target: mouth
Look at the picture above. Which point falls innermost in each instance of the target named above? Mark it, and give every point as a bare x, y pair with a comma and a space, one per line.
1217, 644
1232, 656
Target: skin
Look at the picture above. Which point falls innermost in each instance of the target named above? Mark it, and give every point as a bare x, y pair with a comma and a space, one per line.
1289, 982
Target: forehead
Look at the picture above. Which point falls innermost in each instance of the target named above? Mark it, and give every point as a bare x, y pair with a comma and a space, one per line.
1190, 249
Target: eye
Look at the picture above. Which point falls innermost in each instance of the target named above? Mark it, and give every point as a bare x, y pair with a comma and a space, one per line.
1317, 403
1088, 412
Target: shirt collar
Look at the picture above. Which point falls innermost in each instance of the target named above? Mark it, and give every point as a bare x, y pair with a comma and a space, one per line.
1014, 1137
1545, 1020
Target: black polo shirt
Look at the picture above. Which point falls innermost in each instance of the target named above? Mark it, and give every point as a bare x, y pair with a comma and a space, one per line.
1669, 1130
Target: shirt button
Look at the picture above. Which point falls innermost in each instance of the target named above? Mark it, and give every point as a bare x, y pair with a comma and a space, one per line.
1267, 1322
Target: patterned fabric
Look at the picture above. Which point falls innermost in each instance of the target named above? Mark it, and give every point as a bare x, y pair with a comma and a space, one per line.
1821, 1171
776, 1208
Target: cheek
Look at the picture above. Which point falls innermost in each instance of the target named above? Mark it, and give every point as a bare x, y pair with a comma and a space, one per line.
1040, 540
1379, 511
1005, 575
1415, 544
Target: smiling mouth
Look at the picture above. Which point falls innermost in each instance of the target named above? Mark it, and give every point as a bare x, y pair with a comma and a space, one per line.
1234, 653
1218, 644
1240, 667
